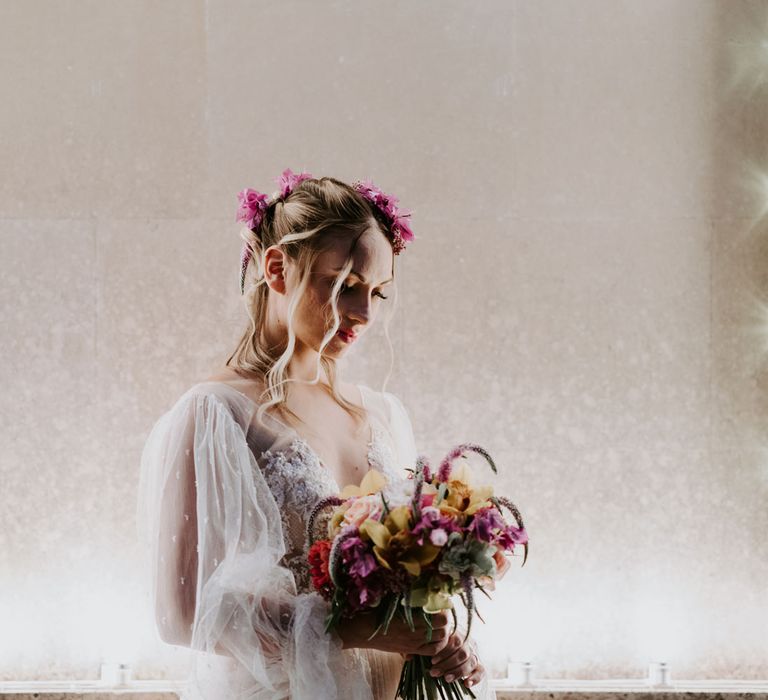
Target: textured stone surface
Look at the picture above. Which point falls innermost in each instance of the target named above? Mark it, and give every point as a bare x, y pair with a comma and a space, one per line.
501, 695
122, 695
584, 297
628, 695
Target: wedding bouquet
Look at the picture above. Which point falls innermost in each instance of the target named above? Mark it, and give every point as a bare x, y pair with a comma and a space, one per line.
408, 548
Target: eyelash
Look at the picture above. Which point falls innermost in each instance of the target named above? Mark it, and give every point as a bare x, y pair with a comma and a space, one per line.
344, 288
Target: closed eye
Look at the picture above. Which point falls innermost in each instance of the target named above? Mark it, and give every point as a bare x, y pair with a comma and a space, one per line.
345, 288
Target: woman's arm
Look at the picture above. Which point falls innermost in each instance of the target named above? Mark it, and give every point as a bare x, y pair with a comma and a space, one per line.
177, 560
213, 534
356, 632
178, 564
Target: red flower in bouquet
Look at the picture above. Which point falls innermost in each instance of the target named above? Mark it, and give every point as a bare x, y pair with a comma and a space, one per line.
408, 548
319, 555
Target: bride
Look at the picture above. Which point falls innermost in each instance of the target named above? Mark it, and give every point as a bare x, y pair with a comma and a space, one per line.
231, 472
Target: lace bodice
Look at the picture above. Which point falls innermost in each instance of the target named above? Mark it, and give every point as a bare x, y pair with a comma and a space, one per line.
298, 481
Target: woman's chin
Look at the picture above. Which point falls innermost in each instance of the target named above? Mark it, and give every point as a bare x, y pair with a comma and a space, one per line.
336, 347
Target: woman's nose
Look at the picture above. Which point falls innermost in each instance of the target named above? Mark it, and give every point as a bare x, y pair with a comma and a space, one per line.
360, 312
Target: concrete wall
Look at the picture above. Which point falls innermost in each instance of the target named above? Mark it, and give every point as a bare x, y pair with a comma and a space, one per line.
582, 299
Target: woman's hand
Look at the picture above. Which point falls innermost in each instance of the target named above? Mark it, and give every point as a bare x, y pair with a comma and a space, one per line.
399, 637
458, 660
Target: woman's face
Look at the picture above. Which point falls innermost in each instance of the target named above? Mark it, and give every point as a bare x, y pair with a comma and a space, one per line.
361, 295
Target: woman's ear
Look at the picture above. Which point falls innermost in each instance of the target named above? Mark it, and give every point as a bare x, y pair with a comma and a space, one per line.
275, 262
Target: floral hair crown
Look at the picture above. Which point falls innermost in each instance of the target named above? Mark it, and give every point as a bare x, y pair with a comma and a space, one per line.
253, 205
397, 219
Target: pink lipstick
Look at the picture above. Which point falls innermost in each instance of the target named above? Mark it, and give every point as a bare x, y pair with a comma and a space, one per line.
346, 336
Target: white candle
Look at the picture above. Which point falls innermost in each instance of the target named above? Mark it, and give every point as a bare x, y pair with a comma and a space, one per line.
658, 673
124, 674
519, 672
115, 674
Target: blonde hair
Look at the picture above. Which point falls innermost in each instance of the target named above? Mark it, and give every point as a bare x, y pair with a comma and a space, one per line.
316, 213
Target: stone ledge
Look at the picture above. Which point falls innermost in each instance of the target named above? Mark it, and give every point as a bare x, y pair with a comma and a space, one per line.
500, 694
634, 694
91, 695
168, 690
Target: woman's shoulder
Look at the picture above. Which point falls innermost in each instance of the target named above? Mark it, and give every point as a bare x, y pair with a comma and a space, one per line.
244, 393
387, 402
229, 383
221, 390
246, 383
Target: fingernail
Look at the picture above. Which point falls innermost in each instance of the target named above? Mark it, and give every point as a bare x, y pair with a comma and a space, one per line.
449, 679
434, 672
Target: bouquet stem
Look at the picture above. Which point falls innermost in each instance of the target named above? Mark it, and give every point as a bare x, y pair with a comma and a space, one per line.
417, 684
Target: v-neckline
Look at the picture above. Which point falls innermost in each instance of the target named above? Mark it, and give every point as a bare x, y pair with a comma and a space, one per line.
298, 437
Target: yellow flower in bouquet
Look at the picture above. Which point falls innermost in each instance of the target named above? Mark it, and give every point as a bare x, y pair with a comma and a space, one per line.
461, 499
408, 548
372, 482
394, 543
433, 597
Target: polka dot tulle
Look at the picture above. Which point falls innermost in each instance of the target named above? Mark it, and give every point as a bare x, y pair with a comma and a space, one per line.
223, 507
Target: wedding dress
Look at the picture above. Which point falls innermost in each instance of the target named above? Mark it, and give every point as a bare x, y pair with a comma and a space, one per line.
222, 510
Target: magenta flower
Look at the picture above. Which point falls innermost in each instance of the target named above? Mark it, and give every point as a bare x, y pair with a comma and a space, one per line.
355, 552
363, 566
404, 225
288, 180
253, 204
431, 520
510, 536
364, 593
485, 523
400, 230
488, 526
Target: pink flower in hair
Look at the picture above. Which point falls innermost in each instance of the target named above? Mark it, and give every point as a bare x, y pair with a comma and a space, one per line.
387, 203
400, 230
401, 221
288, 180
253, 204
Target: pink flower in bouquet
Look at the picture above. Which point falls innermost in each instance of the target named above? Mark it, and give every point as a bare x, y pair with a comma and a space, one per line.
427, 500
438, 537
435, 526
510, 535
356, 553
361, 509
365, 593
486, 522
408, 549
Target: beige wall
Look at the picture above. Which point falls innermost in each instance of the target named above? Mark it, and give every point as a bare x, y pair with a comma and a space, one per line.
580, 299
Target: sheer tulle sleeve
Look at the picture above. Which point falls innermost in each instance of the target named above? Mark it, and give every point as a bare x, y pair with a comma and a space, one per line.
211, 530
402, 431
